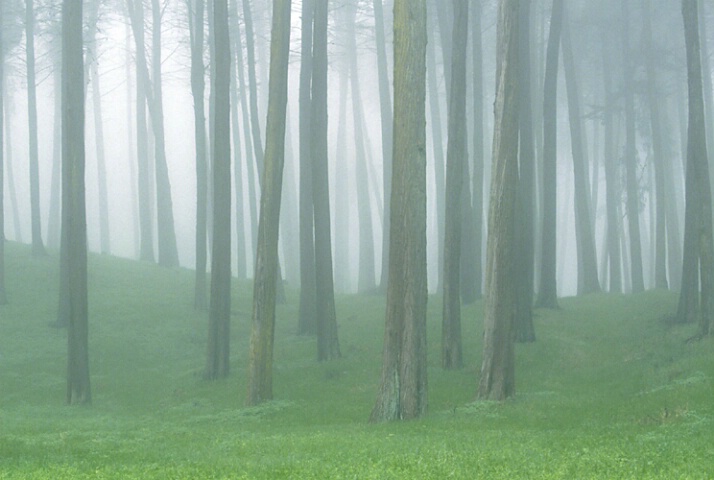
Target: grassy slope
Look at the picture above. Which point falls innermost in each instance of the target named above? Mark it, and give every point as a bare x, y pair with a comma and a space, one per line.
608, 391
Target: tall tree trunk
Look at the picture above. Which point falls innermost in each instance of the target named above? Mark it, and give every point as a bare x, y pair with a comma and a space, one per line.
327, 342
524, 329
548, 292
699, 196
241, 224
74, 224
3, 295
252, 84
53, 222
308, 295
403, 388
456, 158
631, 181
477, 179
17, 228
660, 260
38, 247
219, 315
385, 108
498, 366
588, 281
104, 236
198, 84
342, 177
260, 379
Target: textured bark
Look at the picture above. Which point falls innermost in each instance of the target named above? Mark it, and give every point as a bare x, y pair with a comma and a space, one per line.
327, 342
456, 159
548, 292
198, 85
260, 377
498, 366
524, 329
38, 248
585, 238
403, 388
74, 226
306, 318
385, 106
631, 173
219, 315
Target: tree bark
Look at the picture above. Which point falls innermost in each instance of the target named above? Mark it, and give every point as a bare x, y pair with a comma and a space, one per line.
327, 341
74, 226
498, 366
260, 378
456, 159
219, 316
548, 292
403, 388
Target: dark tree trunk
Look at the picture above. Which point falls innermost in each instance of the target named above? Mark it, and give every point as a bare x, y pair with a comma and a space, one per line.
385, 105
327, 343
306, 319
456, 158
403, 390
585, 239
548, 292
524, 329
260, 379
38, 248
74, 226
498, 366
219, 316
631, 181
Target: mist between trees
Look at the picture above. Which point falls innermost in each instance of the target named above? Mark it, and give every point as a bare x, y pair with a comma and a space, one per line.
246, 129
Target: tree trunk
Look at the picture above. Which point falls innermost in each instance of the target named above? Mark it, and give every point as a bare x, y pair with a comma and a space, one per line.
498, 366
53, 222
587, 259
403, 390
241, 224
385, 106
74, 226
38, 248
631, 181
308, 296
252, 84
8, 164
327, 342
260, 378
3, 295
198, 92
104, 236
343, 176
456, 158
477, 179
548, 292
524, 329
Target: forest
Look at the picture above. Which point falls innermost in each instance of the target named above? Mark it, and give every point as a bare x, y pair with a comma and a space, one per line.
356, 238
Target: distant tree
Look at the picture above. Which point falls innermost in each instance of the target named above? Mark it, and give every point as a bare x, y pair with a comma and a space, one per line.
328, 346
698, 214
3, 295
219, 315
74, 224
548, 292
253, 86
402, 393
306, 318
38, 247
198, 84
477, 175
260, 377
498, 366
456, 159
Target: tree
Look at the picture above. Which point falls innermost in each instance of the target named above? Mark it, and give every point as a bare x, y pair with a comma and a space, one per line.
402, 393
498, 366
38, 247
74, 224
328, 346
548, 292
260, 378
456, 159
698, 191
198, 83
219, 316
308, 297
3, 296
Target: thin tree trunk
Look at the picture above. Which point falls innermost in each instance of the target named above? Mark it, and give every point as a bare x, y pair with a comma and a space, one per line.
241, 224
53, 224
104, 235
342, 176
548, 292
260, 378
3, 295
252, 84
17, 225
477, 178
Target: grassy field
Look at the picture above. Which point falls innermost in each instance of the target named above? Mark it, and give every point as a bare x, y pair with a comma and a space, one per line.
609, 390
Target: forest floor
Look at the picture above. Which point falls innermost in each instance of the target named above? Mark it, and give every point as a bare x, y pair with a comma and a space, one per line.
610, 389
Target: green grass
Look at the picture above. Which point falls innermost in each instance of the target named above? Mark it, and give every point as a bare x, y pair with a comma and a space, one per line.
609, 390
